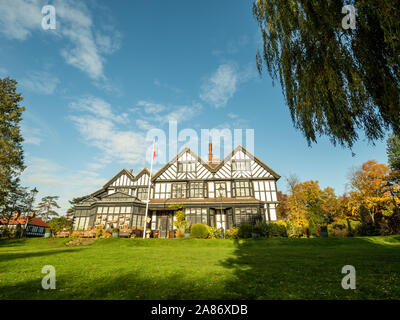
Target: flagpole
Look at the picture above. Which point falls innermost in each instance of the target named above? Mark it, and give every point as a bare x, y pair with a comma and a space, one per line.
148, 191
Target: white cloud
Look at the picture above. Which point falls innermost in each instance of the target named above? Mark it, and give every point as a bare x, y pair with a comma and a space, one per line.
40, 82
221, 86
161, 114
19, 18
86, 49
150, 107
104, 129
50, 178
99, 108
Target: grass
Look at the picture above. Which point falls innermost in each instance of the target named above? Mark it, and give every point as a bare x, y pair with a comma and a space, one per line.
202, 269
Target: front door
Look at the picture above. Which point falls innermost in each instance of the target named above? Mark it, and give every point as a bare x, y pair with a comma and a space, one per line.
163, 227
220, 218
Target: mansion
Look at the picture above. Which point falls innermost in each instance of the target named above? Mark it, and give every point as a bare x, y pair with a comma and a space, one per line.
239, 189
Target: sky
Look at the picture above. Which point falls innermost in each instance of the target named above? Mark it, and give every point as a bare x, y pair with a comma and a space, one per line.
112, 72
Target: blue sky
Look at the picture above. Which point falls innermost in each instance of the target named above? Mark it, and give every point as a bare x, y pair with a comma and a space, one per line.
111, 71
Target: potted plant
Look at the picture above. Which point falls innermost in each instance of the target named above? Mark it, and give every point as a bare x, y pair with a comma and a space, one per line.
47, 233
115, 233
256, 232
187, 231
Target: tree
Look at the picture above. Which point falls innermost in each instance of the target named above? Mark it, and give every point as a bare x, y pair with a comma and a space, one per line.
371, 192
310, 206
393, 151
73, 202
11, 152
59, 224
17, 201
46, 207
282, 208
335, 81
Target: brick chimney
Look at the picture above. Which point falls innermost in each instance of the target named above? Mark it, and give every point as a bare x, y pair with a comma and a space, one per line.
131, 171
210, 156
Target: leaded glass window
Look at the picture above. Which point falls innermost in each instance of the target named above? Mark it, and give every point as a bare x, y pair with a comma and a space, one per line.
178, 190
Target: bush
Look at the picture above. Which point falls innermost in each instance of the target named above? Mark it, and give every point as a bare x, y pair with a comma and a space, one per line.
338, 230
199, 230
213, 233
245, 231
366, 229
5, 231
99, 231
279, 229
264, 228
232, 233
272, 229
292, 230
75, 235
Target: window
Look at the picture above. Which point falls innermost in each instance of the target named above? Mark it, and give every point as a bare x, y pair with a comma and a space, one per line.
137, 221
179, 190
197, 190
123, 190
142, 193
241, 165
196, 215
242, 189
246, 216
186, 166
220, 189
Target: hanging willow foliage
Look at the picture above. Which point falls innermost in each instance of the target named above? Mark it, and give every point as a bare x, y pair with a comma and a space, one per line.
336, 82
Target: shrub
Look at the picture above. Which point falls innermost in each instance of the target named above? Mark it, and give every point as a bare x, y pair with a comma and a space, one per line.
213, 233
115, 230
278, 229
292, 230
75, 235
5, 231
99, 231
272, 229
264, 228
232, 233
245, 231
199, 230
366, 229
338, 229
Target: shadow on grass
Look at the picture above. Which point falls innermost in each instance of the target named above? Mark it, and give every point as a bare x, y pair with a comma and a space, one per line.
12, 242
24, 255
128, 286
311, 268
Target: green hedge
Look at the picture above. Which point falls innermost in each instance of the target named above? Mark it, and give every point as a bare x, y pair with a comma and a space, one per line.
199, 230
245, 231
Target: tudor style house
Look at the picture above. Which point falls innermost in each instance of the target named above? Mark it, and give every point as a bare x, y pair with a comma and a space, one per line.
239, 189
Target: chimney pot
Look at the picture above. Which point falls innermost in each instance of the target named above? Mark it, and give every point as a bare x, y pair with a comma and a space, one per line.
131, 171
210, 152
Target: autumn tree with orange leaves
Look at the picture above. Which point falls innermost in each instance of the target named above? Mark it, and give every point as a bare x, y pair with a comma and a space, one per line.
308, 205
372, 192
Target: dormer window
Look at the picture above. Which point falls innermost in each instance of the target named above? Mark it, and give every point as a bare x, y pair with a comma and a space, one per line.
241, 165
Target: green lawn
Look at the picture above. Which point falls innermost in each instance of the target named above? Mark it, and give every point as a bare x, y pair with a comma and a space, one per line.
202, 269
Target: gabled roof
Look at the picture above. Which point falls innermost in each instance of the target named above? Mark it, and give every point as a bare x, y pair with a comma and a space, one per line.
175, 158
240, 147
141, 173
123, 171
